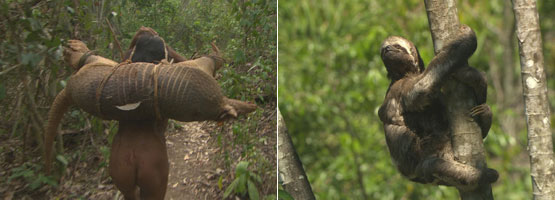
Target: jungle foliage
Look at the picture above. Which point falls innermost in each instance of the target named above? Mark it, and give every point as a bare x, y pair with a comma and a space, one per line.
32, 71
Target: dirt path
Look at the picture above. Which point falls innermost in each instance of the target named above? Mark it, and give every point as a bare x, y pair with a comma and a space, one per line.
194, 171
198, 160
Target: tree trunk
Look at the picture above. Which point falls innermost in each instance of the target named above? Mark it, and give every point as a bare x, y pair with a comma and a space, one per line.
291, 171
466, 137
540, 144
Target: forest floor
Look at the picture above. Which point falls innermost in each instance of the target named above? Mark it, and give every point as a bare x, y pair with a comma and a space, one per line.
198, 159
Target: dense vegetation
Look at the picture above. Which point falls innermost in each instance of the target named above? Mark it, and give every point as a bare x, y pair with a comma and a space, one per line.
32, 72
332, 82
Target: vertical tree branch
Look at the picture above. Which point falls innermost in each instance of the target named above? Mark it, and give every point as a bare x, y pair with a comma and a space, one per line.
540, 143
115, 39
290, 168
36, 119
466, 137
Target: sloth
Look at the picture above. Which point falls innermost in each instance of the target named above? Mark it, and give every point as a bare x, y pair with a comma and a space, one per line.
414, 117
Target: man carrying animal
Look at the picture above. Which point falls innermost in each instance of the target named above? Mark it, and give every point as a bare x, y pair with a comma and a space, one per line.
138, 162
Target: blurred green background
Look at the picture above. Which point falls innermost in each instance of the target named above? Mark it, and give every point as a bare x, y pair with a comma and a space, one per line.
332, 82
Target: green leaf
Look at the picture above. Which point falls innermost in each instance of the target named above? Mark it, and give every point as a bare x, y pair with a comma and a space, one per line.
53, 44
220, 180
62, 159
48, 180
30, 59
284, 195
241, 168
255, 177
36, 183
270, 197
70, 10
20, 172
231, 187
242, 186
253, 191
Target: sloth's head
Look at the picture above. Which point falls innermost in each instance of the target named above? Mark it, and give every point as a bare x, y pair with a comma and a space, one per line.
400, 57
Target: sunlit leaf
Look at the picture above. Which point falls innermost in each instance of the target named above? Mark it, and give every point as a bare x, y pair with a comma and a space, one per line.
62, 159
70, 10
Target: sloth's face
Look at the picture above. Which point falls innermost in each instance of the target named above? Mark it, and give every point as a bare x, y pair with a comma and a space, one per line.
400, 57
